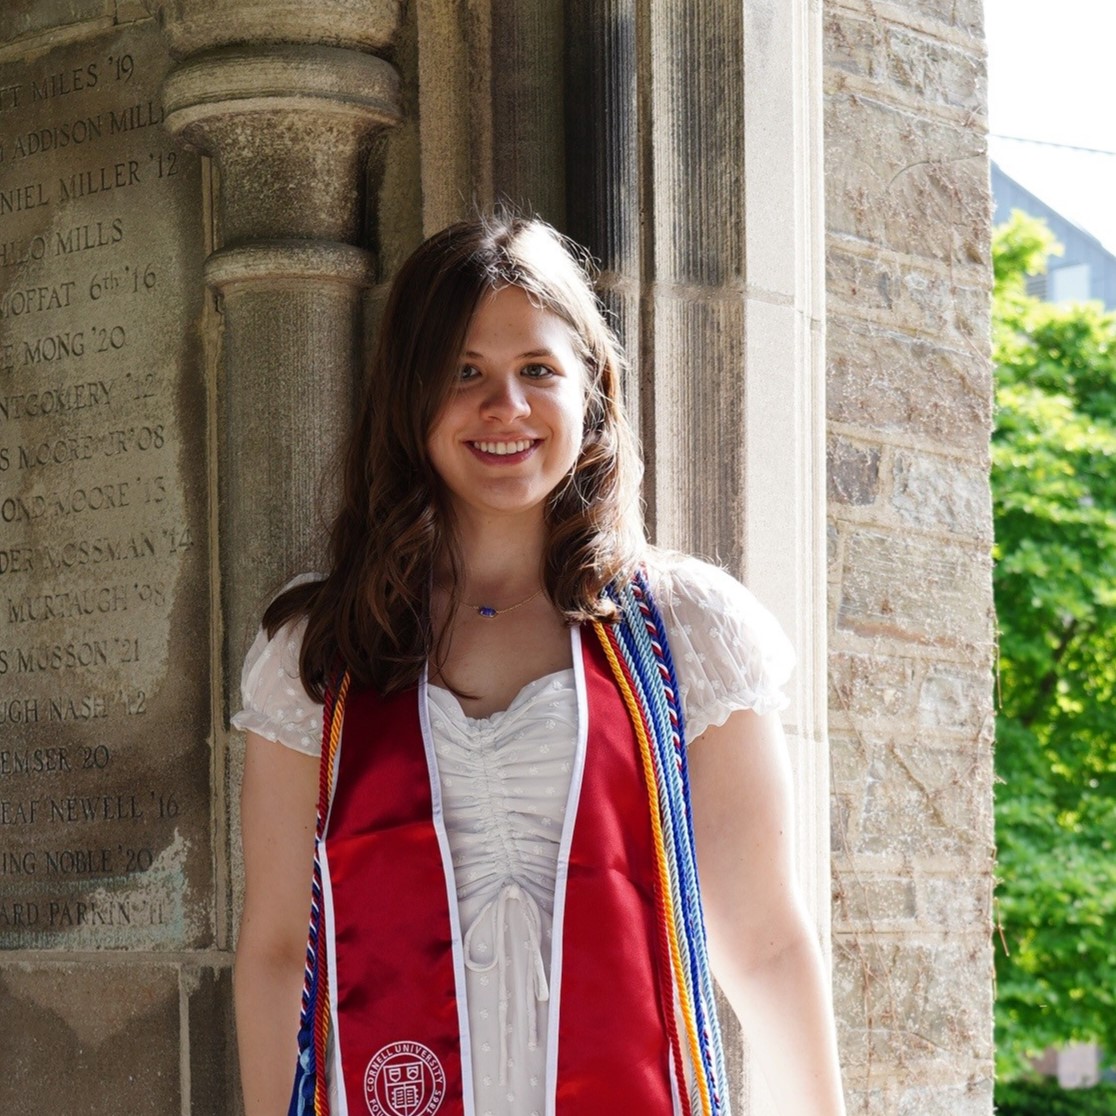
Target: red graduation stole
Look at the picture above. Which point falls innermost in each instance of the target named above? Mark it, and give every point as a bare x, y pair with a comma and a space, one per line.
394, 952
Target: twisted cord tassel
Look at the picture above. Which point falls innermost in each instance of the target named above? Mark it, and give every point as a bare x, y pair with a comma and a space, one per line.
655, 625
650, 637
674, 905
645, 647
645, 670
623, 680
310, 1096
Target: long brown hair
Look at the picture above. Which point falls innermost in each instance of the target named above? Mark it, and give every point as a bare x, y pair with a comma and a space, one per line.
371, 614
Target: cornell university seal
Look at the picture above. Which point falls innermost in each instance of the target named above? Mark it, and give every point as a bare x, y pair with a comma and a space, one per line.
404, 1079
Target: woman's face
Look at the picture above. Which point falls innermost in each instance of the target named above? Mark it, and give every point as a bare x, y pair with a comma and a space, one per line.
512, 428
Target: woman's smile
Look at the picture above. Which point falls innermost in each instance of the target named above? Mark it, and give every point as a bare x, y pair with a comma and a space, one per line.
504, 452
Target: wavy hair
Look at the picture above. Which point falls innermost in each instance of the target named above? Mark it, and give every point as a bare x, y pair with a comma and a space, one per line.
371, 613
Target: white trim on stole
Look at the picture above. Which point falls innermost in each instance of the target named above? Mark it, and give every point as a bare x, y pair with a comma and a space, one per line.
335, 1079
451, 895
562, 873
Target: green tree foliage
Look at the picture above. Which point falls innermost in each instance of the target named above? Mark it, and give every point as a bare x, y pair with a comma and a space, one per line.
1047, 1098
1054, 486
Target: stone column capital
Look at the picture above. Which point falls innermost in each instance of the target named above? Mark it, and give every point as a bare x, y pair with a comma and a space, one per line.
198, 25
263, 77
291, 261
290, 127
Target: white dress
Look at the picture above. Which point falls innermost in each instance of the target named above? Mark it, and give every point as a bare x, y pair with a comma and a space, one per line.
505, 780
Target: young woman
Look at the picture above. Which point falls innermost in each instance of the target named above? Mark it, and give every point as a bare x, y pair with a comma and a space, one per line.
530, 720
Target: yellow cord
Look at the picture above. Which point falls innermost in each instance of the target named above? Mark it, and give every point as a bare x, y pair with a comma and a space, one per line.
660, 857
335, 731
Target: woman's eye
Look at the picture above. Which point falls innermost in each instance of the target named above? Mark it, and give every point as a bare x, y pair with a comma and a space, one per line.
467, 372
537, 371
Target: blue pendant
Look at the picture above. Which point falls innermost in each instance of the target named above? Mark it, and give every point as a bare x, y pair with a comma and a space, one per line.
486, 610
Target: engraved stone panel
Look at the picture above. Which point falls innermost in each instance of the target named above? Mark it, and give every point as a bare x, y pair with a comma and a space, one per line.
104, 591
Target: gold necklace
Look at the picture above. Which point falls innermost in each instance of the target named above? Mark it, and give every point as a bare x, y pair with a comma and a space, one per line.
488, 612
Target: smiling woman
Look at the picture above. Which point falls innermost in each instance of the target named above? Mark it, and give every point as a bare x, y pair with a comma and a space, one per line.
489, 696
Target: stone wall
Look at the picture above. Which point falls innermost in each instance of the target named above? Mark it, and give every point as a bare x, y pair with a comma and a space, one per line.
911, 636
113, 989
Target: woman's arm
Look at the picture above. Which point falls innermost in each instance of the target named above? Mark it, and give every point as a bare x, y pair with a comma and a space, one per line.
762, 945
277, 809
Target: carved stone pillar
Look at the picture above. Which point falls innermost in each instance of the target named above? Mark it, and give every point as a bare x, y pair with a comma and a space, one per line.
290, 102
490, 80
290, 124
693, 140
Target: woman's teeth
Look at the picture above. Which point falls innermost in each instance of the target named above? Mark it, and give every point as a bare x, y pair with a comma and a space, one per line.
501, 449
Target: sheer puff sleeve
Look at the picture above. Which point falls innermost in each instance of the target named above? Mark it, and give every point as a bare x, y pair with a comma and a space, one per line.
729, 652
275, 704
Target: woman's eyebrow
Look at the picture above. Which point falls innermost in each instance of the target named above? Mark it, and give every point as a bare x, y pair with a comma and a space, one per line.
522, 356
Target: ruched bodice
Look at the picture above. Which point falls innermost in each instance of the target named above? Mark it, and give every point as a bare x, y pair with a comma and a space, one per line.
505, 779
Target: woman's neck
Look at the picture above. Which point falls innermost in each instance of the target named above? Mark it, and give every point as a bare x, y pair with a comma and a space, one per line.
500, 559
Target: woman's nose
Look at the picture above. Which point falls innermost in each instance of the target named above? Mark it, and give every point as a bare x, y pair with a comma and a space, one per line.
506, 398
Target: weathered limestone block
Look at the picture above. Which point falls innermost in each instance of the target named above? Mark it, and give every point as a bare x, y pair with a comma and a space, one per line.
877, 900
871, 897
69, 1025
954, 899
898, 295
886, 382
193, 25
852, 472
905, 182
914, 589
851, 757
938, 493
915, 1008
920, 800
872, 685
954, 697
936, 73
966, 16
903, 61
974, 1098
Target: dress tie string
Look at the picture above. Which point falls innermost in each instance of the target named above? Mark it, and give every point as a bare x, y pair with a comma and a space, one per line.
538, 990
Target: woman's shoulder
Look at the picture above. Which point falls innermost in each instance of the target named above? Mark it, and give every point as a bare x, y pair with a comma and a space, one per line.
274, 702
729, 649
686, 582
